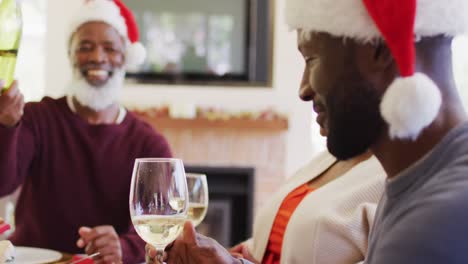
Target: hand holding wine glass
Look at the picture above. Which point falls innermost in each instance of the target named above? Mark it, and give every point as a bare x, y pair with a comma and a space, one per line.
11, 105
158, 201
194, 248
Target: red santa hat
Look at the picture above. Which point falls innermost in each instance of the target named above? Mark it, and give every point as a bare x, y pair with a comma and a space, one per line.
412, 101
116, 14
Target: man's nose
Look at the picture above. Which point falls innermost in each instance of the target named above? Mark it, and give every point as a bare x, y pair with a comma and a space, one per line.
98, 55
306, 93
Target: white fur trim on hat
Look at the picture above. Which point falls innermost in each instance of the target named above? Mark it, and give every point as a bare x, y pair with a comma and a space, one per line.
99, 10
349, 18
409, 105
136, 54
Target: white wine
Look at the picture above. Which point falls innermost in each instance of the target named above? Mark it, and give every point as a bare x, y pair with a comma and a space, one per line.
159, 230
10, 36
177, 204
197, 212
7, 65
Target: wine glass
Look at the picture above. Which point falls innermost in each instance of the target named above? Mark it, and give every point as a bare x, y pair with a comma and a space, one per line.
158, 201
198, 197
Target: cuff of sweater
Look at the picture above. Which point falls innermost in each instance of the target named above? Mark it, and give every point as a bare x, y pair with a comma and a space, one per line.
9, 131
131, 252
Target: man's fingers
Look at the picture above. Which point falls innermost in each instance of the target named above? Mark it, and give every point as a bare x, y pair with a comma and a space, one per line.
21, 106
150, 251
85, 236
189, 235
18, 100
107, 250
151, 254
102, 239
91, 234
84, 231
237, 248
102, 230
80, 243
105, 240
14, 85
246, 253
90, 248
12, 91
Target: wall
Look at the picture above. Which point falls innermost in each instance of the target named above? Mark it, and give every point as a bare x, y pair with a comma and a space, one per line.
287, 72
30, 70
460, 66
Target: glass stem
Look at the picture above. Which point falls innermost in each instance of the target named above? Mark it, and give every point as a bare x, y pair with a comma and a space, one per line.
160, 255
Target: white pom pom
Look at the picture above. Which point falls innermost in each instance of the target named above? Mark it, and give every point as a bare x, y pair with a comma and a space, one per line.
409, 105
136, 55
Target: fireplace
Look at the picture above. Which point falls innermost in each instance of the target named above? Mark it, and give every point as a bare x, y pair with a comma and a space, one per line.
230, 209
221, 145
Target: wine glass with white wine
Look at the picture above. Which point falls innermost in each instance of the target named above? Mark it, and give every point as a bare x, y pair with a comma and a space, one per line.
158, 201
198, 197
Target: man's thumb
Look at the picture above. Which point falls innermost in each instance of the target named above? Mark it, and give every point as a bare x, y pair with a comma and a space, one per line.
246, 253
190, 235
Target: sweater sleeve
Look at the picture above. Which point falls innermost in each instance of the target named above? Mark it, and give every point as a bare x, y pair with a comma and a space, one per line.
16, 156
157, 146
133, 247
352, 228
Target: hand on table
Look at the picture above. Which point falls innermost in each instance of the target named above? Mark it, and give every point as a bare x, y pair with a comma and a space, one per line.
102, 239
193, 248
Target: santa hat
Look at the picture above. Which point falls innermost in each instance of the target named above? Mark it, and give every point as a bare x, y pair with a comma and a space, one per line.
412, 101
116, 14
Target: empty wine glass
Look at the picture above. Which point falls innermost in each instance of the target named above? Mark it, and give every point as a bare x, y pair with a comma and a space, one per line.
198, 197
158, 201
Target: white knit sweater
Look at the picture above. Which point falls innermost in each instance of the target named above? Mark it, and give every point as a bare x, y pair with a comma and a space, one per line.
331, 225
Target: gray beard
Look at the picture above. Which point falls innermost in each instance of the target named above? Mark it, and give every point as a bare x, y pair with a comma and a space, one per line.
96, 98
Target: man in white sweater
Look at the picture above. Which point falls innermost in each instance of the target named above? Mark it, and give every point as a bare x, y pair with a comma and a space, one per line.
381, 72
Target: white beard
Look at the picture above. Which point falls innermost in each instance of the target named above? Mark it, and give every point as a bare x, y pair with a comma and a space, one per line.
96, 98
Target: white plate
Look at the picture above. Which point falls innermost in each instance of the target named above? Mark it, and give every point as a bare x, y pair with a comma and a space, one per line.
29, 255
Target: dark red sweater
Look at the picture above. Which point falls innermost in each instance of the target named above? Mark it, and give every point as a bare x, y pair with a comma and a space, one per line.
73, 174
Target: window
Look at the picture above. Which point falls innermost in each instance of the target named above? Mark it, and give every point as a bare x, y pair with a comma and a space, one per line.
204, 40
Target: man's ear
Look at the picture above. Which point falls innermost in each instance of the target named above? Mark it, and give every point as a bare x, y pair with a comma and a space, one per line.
376, 64
376, 59
70, 45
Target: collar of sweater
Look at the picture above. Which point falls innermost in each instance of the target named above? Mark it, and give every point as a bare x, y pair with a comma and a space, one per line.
120, 118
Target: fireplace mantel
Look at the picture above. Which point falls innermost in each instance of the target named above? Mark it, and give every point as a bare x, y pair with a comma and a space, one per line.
204, 123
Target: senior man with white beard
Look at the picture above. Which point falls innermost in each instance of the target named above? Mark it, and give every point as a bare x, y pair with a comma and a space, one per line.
74, 155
